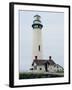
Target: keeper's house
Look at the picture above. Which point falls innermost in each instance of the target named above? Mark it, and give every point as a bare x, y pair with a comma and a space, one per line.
49, 65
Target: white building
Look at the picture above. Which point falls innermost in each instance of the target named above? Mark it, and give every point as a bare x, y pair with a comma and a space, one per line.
37, 37
39, 64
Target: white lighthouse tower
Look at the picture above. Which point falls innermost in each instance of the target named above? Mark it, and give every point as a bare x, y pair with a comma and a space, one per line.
37, 37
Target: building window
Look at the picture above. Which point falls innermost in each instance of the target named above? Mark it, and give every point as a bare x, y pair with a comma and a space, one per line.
39, 47
35, 26
35, 67
31, 68
57, 66
54, 65
40, 68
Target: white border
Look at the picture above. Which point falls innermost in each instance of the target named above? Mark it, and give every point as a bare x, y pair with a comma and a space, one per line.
16, 49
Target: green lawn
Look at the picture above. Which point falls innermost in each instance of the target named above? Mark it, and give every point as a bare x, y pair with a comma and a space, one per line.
60, 71
33, 76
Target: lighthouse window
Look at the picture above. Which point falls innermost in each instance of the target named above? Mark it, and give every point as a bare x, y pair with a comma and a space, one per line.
39, 47
36, 26
40, 68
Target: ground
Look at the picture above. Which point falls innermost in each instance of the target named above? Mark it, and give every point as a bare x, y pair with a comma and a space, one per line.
31, 75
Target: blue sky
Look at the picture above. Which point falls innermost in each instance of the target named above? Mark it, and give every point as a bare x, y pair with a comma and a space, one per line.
52, 37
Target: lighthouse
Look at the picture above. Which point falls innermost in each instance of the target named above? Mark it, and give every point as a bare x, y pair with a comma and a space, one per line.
37, 37
39, 64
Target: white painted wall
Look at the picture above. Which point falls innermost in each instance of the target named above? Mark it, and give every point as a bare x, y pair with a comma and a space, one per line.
51, 68
59, 68
42, 68
37, 40
38, 69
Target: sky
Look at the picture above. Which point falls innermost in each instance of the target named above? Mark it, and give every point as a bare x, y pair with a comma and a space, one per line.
52, 37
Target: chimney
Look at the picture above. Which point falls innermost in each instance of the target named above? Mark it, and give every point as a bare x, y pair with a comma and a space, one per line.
49, 57
35, 57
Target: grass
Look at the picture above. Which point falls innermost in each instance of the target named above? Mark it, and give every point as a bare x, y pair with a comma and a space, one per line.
33, 76
60, 71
